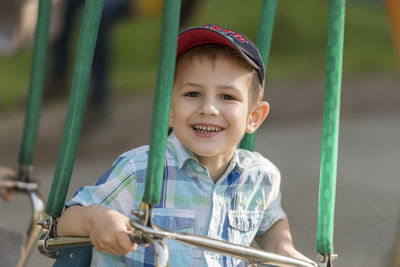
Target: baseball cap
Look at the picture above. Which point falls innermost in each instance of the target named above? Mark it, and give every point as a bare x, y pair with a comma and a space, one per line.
214, 34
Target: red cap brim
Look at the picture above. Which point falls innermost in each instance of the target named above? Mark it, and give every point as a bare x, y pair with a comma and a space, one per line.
213, 34
201, 36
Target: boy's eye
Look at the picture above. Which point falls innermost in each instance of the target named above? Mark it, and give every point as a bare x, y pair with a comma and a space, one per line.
227, 97
192, 94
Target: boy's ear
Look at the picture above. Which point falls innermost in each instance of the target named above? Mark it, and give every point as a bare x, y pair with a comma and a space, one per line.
257, 116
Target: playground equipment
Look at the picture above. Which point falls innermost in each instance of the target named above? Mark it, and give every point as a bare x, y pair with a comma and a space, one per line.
145, 230
24, 182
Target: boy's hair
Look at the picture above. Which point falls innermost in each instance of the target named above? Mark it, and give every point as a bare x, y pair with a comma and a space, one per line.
212, 51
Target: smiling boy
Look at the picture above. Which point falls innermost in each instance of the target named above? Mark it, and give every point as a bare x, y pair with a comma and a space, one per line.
211, 106
210, 187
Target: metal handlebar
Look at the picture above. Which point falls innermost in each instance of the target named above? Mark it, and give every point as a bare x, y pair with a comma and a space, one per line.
10, 183
34, 229
156, 237
222, 247
30, 188
51, 246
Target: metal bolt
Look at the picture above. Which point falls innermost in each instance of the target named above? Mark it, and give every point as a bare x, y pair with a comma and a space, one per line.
141, 214
72, 255
44, 223
320, 258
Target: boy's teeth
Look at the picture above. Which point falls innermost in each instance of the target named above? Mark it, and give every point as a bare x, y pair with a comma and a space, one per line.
207, 128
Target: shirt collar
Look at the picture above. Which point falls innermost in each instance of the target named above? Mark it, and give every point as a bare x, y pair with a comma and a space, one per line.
183, 154
235, 162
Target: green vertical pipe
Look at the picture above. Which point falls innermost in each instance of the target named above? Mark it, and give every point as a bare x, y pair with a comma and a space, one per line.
80, 82
162, 101
264, 38
330, 131
38, 70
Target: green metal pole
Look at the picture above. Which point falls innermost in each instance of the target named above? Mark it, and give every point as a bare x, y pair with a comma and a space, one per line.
38, 70
264, 38
80, 82
330, 131
162, 101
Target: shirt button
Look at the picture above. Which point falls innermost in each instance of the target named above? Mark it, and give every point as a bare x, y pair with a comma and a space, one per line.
199, 169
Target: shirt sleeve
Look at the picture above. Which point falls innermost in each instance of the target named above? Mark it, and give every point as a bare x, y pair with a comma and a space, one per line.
272, 214
115, 183
273, 210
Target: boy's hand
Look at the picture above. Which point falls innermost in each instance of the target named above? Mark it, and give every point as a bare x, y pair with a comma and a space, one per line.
6, 172
287, 249
109, 231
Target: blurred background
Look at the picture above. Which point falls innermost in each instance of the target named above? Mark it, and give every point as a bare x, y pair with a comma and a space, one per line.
367, 214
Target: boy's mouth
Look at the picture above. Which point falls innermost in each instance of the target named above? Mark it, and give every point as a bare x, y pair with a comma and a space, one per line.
207, 129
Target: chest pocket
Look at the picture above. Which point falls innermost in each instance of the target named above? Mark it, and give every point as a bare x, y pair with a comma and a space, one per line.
243, 226
177, 220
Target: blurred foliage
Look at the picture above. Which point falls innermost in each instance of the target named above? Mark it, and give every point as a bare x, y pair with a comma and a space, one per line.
297, 51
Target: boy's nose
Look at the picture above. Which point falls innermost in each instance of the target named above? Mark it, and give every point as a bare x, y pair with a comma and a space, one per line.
208, 107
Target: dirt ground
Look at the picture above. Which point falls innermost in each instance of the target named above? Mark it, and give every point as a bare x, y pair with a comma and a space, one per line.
368, 199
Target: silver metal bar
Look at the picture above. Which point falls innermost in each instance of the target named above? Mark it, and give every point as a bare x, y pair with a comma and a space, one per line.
34, 229
218, 246
57, 243
160, 248
51, 245
222, 247
326, 260
15, 184
31, 189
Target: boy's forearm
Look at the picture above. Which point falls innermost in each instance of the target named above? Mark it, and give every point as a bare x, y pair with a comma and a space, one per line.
75, 221
278, 239
277, 236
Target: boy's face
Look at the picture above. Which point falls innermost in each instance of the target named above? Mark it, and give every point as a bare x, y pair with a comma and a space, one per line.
212, 107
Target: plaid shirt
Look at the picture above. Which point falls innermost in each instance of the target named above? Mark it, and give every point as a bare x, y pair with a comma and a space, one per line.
244, 202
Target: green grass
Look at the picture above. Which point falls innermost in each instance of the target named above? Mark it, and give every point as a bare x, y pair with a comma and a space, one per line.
14, 77
297, 50
135, 54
